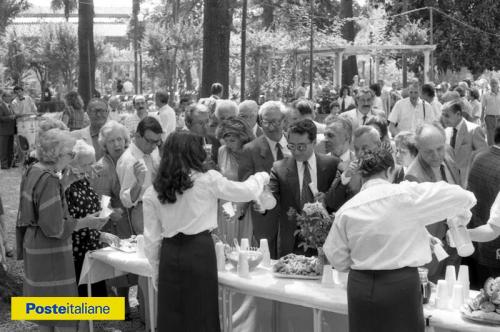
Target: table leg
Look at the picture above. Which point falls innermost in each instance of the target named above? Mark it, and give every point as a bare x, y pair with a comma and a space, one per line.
317, 314
89, 293
151, 299
230, 310
225, 313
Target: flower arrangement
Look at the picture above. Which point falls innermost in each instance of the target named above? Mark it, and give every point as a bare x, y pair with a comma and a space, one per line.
314, 224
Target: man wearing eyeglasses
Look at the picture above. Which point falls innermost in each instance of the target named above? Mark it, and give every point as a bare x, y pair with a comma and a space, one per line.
97, 110
303, 178
259, 156
136, 169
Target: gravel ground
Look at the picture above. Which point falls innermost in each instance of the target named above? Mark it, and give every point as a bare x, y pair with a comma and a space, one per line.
9, 191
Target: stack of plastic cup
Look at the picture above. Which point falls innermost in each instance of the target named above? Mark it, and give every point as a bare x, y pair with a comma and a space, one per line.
457, 298
243, 269
440, 253
327, 278
221, 256
442, 297
266, 255
245, 244
451, 278
463, 279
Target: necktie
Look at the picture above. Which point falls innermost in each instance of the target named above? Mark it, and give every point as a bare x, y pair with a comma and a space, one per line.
364, 119
453, 138
443, 173
279, 153
306, 195
342, 107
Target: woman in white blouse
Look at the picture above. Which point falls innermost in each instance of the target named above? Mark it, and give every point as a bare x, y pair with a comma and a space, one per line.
180, 210
379, 236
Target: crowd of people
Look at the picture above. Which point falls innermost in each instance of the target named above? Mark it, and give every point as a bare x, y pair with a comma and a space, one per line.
392, 166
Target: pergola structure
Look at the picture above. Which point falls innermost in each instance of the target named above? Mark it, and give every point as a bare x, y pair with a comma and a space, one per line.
376, 51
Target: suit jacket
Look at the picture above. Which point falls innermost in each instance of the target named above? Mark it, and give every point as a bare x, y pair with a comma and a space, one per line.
469, 141
420, 171
285, 186
484, 182
7, 121
257, 157
352, 115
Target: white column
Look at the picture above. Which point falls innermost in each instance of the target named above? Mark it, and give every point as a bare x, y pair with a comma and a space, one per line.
426, 66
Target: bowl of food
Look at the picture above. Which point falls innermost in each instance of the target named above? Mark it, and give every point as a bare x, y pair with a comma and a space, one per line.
254, 257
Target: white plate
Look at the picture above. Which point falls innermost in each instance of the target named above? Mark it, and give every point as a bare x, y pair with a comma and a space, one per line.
296, 276
467, 314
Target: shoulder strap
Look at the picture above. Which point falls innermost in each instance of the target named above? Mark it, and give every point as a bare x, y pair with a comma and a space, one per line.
423, 107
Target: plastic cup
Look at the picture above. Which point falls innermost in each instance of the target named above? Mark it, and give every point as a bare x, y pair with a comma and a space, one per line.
245, 244
442, 297
463, 279
266, 255
243, 269
440, 253
457, 298
451, 278
327, 278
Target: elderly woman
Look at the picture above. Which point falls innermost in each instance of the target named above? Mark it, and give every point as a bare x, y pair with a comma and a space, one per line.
235, 133
74, 115
44, 227
43, 126
114, 139
83, 201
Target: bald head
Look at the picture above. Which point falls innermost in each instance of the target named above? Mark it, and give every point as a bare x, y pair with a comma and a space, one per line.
248, 110
431, 141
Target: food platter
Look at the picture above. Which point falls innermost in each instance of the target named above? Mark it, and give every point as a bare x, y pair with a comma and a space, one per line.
490, 318
296, 276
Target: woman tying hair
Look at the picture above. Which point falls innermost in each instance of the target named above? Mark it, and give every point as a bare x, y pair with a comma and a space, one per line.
180, 210
380, 237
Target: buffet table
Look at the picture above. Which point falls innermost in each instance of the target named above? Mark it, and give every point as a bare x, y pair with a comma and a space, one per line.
320, 298
109, 263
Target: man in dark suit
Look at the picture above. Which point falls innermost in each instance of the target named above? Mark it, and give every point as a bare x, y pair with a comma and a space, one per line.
302, 178
7, 131
259, 156
484, 182
433, 165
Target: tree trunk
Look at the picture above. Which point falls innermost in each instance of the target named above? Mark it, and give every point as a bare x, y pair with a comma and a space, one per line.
268, 14
350, 65
216, 32
86, 74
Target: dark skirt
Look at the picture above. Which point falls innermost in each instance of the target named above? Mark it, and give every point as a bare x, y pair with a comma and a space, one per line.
386, 300
188, 285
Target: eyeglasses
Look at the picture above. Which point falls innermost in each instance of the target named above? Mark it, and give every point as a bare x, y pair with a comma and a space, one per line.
298, 147
98, 110
152, 141
275, 123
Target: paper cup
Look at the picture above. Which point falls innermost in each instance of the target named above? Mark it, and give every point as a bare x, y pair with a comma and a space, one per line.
457, 298
440, 253
243, 269
266, 255
451, 278
245, 244
442, 297
463, 279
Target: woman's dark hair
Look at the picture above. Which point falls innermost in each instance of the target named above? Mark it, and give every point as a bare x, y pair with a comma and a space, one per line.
73, 100
375, 87
374, 162
474, 93
183, 153
381, 124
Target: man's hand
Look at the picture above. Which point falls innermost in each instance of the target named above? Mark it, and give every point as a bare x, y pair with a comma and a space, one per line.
320, 197
140, 170
116, 215
351, 169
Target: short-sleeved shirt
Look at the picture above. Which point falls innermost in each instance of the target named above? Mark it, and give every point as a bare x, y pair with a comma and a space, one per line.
491, 103
409, 117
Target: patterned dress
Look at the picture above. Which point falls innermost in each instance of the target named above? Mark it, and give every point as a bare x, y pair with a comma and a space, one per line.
82, 201
43, 234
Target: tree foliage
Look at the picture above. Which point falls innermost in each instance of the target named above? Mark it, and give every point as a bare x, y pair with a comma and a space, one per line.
15, 60
458, 45
9, 9
68, 6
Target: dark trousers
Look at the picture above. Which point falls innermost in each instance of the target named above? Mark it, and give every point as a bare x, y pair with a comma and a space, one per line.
188, 285
6, 150
386, 300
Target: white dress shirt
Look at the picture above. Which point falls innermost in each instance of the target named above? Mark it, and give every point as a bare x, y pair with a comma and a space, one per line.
125, 171
409, 117
195, 210
166, 117
284, 147
312, 170
23, 107
383, 226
